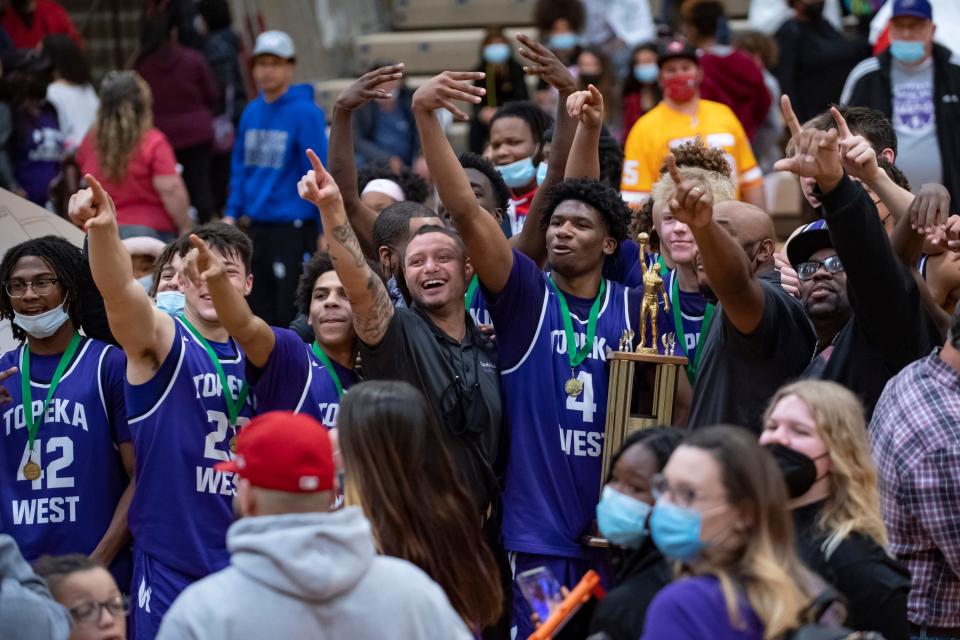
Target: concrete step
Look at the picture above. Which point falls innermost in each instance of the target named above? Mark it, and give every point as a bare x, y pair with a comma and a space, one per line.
426, 52
424, 14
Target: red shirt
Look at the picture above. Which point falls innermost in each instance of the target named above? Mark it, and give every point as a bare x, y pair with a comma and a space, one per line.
48, 17
136, 199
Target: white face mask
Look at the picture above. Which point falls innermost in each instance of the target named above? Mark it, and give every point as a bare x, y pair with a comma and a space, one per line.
171, 302
42, 325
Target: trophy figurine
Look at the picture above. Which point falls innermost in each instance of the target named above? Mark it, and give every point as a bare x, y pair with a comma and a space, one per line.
653, 288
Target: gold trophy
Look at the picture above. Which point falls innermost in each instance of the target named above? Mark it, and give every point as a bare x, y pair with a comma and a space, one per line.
624, 415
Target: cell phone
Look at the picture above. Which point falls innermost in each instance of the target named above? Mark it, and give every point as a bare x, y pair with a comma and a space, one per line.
541, 590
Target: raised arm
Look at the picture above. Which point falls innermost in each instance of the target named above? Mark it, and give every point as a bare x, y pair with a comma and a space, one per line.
489, 250
342, 160
724, 260
587, 108
542, 62
253, 334
144, 332
371, 305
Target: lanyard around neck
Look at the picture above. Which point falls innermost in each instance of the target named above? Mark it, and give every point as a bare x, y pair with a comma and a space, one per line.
578, 355
233, 404
692, 367
34, 421
328, 365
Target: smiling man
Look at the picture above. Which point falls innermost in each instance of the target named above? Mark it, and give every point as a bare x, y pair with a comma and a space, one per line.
186, 398
434, 344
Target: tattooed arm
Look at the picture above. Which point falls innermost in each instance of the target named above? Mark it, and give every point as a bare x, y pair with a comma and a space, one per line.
372, 309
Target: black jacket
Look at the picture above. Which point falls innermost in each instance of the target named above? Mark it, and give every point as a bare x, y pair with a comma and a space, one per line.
643, 574
869, 86
890, 327
873, 584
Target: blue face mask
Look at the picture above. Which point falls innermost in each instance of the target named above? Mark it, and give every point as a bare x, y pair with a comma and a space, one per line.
646, 73
564, 41
518, 174
907, 51
676, 531
42, 325
496, 53
170, 302
622, 519
541, 173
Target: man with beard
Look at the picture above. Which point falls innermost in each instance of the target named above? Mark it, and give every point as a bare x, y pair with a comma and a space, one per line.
759, 336
865, 305
553, 332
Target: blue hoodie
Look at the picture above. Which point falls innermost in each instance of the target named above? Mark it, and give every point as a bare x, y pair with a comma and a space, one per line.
269, 157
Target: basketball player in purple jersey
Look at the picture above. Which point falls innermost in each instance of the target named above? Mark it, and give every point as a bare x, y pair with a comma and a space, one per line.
66, 460
186, 400
290, 375
553, 332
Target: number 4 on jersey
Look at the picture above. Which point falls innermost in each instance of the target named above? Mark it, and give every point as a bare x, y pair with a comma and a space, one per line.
586, 406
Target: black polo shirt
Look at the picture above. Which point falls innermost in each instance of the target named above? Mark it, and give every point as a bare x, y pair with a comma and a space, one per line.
461, 382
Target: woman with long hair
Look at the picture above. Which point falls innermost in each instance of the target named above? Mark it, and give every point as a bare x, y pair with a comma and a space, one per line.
397, 469
721, 514
134, 161
816, 432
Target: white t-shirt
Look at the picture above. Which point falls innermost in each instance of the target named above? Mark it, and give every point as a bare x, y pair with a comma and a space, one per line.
76, 108
915, 122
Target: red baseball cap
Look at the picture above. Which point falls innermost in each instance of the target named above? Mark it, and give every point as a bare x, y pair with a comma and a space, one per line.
284, 451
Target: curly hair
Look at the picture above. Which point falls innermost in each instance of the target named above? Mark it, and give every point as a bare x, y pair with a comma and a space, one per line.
414, 187
608, 203
318, 265
124, 116
694, 153
642, 222
470, 160
66, 262
547, 12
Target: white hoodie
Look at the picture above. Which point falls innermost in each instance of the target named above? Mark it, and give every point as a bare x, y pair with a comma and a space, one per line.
313, 576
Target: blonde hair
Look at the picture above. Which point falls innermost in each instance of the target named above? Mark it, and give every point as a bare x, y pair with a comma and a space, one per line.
720, 186
765, 568
124, 116
854, 501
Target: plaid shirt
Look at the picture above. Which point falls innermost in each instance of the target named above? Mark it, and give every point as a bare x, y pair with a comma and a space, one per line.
915, 437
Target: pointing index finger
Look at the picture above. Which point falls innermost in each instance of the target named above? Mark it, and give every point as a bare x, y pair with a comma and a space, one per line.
671, 162
842, 127
789, 117
314, 161
99, 194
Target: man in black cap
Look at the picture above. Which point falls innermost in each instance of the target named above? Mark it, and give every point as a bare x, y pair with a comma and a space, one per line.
680, 116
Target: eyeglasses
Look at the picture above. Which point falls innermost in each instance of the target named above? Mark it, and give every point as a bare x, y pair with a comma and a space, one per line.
680, 496
40, 286
806, 270
91, 611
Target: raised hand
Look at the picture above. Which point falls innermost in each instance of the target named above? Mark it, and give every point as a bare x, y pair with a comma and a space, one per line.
92, 207
816, 153
545, 63
952, 233
930, 209
366, 88
5, 397
693, 202
789, 280
200, 263
587, 106
317, 186
440, 92
857, 155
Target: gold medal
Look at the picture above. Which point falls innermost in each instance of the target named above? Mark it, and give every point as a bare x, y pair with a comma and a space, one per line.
573, 387
31, 470
233, 444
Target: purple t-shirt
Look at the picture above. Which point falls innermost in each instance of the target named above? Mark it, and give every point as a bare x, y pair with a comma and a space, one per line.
694, 608
295, 380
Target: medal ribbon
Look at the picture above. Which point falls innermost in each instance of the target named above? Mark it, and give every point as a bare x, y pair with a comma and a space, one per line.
233, 404
471, 291
581, 353
692, 367
26, 396
325, 360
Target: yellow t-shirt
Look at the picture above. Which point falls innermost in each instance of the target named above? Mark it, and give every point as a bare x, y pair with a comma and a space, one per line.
663, 128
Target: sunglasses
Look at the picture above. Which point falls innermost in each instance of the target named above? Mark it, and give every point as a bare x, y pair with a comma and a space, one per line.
806, 270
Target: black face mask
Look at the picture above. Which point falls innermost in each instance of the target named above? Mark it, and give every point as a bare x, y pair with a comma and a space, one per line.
799, 470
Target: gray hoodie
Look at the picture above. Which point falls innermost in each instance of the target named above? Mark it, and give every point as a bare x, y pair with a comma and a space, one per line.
27, 610
311, 576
